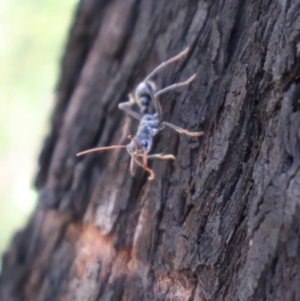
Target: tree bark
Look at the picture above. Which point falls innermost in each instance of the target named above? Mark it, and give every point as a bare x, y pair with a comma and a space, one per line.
222, 223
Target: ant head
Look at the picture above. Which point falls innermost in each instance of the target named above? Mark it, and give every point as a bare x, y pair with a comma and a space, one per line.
139, 145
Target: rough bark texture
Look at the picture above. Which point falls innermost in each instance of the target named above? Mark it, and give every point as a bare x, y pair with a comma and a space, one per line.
223, 222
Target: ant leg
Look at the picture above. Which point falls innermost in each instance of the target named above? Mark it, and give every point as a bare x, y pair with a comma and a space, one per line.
124, 106
174, 86
157, 106
162, 156
181, 130
168, 62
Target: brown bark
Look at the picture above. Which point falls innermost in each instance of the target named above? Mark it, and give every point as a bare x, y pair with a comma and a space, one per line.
220, 224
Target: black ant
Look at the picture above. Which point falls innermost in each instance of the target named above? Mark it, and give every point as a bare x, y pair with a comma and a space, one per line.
150, 124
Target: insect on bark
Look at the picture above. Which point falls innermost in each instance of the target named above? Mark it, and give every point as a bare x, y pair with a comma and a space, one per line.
146, 93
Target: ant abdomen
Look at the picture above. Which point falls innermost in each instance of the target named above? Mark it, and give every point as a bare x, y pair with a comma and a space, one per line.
143, 93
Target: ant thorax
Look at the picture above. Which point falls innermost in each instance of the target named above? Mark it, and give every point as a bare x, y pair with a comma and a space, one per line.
149, 125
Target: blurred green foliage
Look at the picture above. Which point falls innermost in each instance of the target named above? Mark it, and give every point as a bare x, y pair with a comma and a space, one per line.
32, 38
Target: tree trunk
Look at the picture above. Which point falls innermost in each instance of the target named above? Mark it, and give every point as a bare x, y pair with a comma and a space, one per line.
222, 222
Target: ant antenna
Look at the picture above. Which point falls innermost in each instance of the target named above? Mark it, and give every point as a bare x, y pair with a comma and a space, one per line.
130, 137
152, 176
100, 149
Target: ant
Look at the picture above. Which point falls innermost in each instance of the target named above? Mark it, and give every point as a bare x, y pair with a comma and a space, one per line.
150, 124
